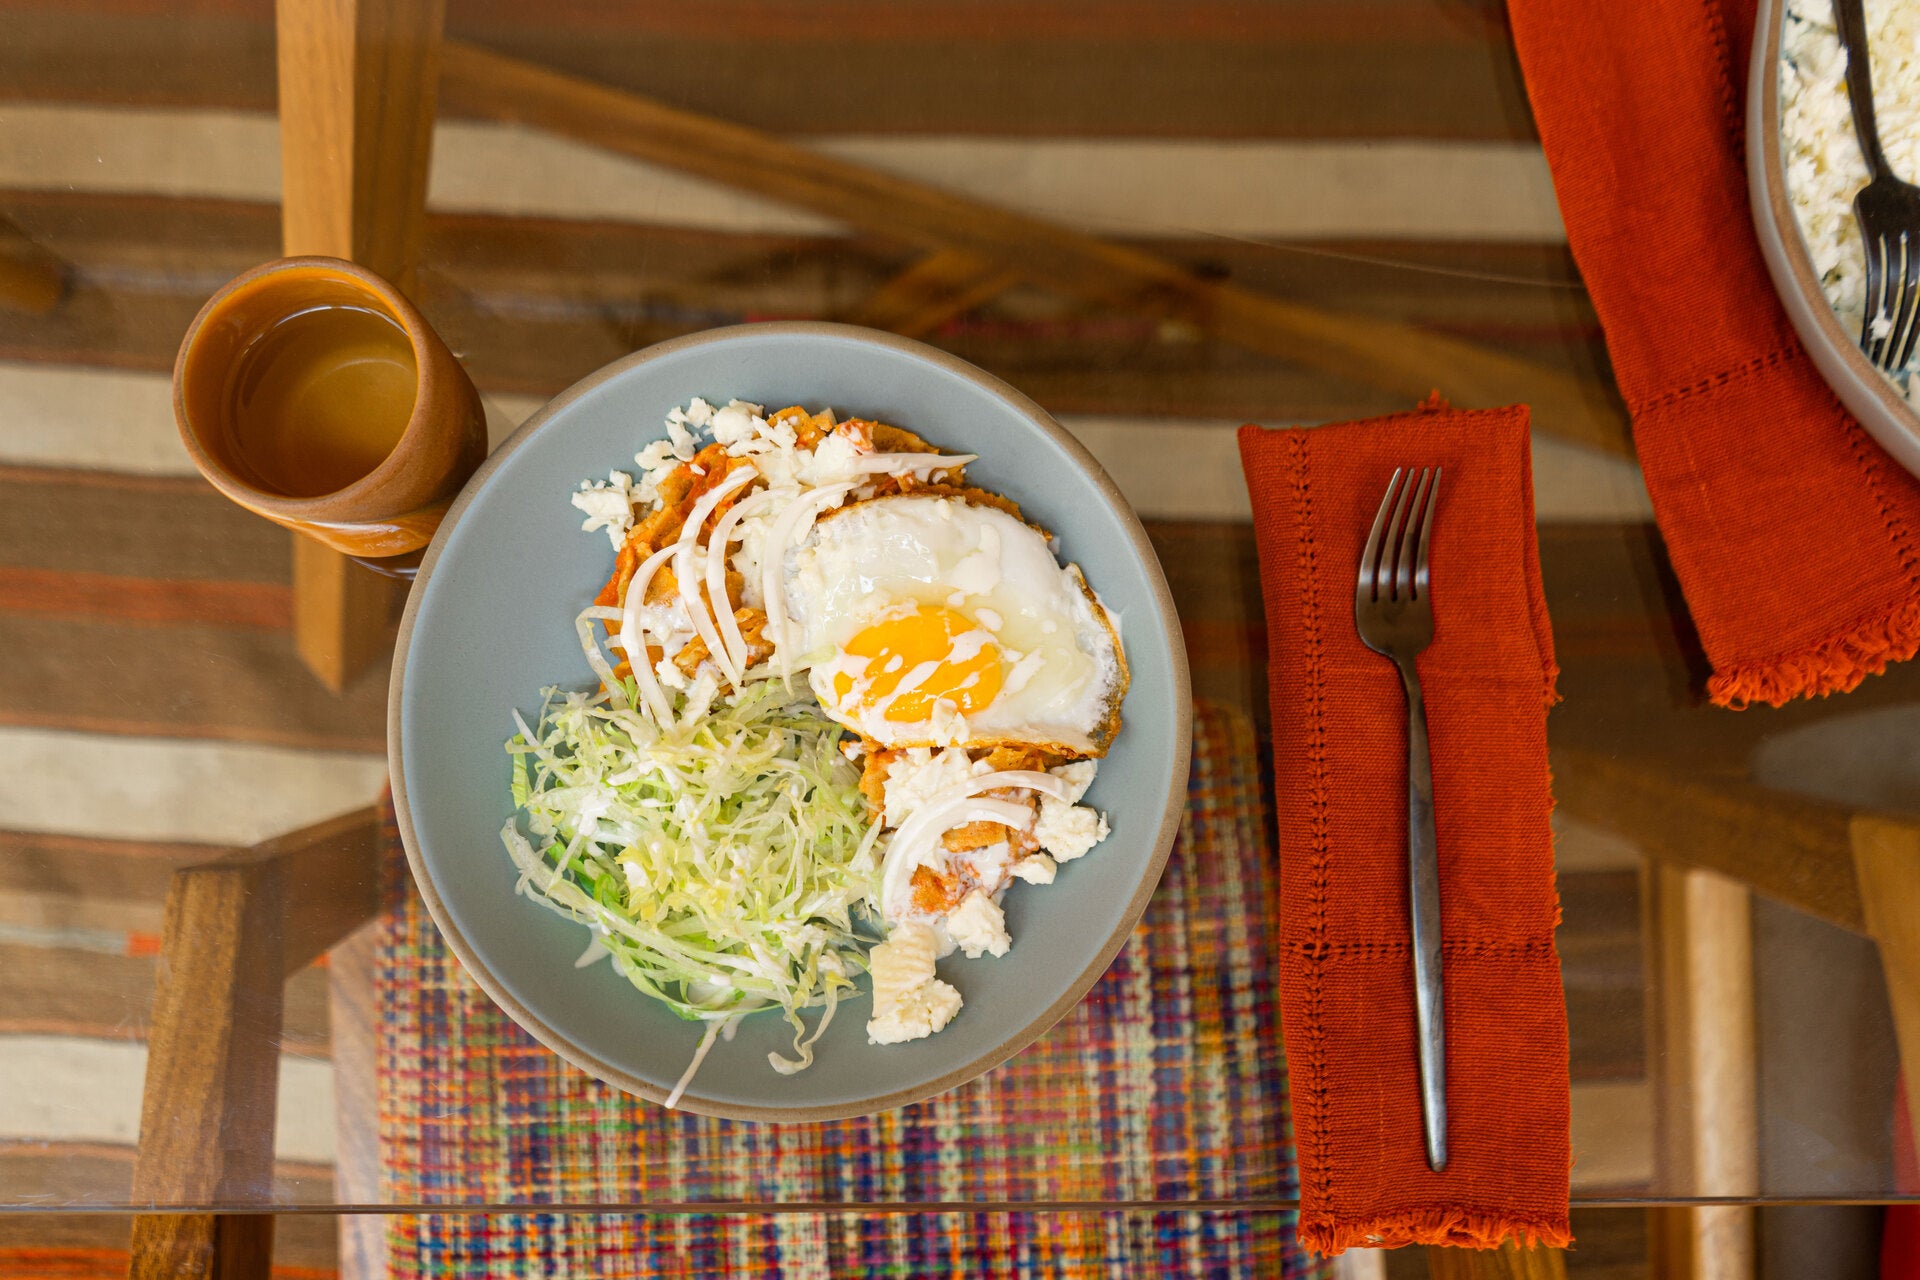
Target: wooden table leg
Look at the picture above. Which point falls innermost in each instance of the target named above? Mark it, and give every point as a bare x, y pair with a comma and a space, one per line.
1886, 857
1702, 1052
359, 80
341, 612
234, 930
213, 1063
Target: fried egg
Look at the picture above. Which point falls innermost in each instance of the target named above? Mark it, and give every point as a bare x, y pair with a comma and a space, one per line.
927, 620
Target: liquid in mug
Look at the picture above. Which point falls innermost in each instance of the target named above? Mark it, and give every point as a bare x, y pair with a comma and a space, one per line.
320, 399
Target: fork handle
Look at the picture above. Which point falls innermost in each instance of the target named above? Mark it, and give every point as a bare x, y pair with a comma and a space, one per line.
1852, 25
1423, 898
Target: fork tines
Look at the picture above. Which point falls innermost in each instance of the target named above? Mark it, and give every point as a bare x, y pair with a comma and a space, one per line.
1394, 564
1893, 292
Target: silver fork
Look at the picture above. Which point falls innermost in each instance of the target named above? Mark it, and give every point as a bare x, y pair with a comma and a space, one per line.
1393, 612
1888, 211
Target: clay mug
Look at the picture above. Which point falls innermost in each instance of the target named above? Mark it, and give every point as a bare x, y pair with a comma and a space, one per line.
310, 391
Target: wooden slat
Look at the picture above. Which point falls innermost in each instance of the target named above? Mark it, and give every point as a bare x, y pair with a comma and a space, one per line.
1428, 69
1794, 850
332, 881
357, 86
534, 304
931, 292
1392, 356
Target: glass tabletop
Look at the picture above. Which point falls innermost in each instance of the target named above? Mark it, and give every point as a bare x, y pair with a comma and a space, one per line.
1139, 215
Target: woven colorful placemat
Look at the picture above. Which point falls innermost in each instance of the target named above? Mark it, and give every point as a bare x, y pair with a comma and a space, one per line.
1166, 1083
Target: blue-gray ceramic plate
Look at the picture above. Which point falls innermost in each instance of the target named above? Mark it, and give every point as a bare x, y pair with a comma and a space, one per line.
490, 623
1874, 401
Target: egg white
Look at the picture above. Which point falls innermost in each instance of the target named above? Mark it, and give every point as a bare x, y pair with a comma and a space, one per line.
1063, 672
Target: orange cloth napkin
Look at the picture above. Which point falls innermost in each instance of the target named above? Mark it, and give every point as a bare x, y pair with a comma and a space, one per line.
1795, 537
1340, 784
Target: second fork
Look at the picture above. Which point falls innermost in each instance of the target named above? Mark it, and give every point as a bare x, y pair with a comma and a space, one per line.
1393, 612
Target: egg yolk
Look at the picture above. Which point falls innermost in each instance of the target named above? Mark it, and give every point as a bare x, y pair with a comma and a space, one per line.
913, 661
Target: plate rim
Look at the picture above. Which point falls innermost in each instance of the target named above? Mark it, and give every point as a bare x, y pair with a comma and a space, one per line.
1867, 396
1075, 991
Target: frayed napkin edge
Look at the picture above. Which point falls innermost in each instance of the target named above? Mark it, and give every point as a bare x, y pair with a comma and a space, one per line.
1834, 665
1457, 1228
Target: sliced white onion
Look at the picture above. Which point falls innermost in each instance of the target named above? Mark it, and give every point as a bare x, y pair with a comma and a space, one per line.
714, 1030
684, 569
954, 807
583, 624
900, 464
792, 526
717, 574
635, 642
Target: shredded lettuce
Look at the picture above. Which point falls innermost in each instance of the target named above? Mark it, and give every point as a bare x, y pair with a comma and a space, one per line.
723, 860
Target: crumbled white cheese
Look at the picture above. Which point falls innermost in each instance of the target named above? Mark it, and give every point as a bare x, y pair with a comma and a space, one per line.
1078, 776
698, 413
656, 462
914, 1016
684, 445
979, 926
1035, 868
908, 1001
736, 424
1067, 831
918, 775
830, 462
607, 506
780, 433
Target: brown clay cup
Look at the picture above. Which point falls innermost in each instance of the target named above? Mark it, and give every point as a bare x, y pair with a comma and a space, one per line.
387, 515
